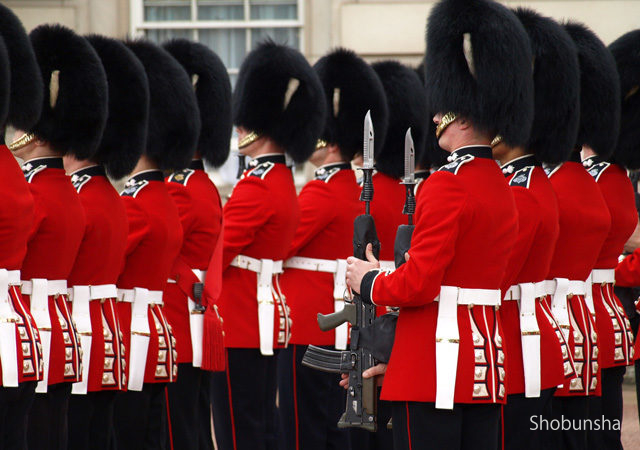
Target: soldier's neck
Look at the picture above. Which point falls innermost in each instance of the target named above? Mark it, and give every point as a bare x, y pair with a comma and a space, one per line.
144, 163
266, 147
507, 154
33, 151
71, 164
587, 152
332, 158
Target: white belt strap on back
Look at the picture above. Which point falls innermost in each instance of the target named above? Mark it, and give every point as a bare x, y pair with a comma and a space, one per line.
559, 307
266, 307
530, 338
139, 338
40, 311
81, 296
447, 345
196, 325
8, 349
588, 296
339, 287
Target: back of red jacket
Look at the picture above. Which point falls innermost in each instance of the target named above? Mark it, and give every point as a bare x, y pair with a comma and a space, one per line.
386, 209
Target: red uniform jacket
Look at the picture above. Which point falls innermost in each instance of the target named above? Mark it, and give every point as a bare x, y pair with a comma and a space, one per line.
99, 262
584, 226
260, 221
200, 211
328, 206
615, 339
53, 245
538, 230
153, 243
386, 209
466, 223
16, 220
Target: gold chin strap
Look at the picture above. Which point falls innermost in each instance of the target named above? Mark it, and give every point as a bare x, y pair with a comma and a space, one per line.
248, 139
321, 144
496, 141
446, 120
23, 140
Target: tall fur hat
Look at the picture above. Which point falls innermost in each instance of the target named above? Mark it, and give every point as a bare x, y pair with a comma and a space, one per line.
626, 51
213, 91
556, 80
279, 95
407, 102
174, 120
599, 92
478, 65
125, 135
351, 88
26, 90
5, 90
74, 110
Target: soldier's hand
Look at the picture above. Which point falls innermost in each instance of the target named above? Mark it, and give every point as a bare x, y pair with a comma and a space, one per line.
377, 371
357, 268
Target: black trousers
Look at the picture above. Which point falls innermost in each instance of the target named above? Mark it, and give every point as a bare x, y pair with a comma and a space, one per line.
15, 404
517, 414
382, 439
310, 404
91, 420
607, 410
140, 418
48, 425
204, 412
418, 425
244, 401
576, 410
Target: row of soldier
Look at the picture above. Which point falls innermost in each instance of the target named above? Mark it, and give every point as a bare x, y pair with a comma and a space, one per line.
271, 260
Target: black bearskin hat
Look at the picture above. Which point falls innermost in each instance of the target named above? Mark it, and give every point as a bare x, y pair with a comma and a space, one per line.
5, 78
74, 110
279, 95
626, 51
213, 91
407, 102
556, 84
478, 65
351, 88
599, 92
125, 135
174, 120
26, 90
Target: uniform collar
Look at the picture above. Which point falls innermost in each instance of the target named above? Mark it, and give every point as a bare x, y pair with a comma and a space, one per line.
146, 175
196, 164
519, 163
276, 158
592, 161
327, 167
478, 151
51, 162
422, 174
91, 171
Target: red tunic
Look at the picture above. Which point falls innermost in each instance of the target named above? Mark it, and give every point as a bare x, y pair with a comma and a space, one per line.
16, 219
584, 226
200, 211
466, 222
153, 243
51, 251
99, 262
615, 339
260, 221
328, 206
386, 209
538, 231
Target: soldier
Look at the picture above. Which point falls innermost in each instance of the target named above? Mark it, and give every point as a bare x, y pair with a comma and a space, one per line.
21, 94
72, 121
101, 254
200, 210
279, 109
449, 288
311, 402
538, 357
153, 243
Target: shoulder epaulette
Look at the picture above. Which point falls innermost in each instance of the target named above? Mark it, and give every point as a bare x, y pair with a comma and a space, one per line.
455, 165
261, 170
134, 189
325, 175
550, 169
181, 177
79, 181
597, 169
522, 177
30, 171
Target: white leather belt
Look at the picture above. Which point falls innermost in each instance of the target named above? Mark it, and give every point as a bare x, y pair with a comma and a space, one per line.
140, 333
603, 276
448, 336
514, 291
81, 295
388, 266
559, 307
40, 289
129, 296
8, 319
201, 274
338, 267
265, 269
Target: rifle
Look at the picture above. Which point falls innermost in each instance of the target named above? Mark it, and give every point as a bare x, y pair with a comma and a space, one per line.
404, 233
361, 404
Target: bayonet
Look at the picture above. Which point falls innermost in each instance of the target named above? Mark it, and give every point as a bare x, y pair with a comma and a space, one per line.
409, 160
